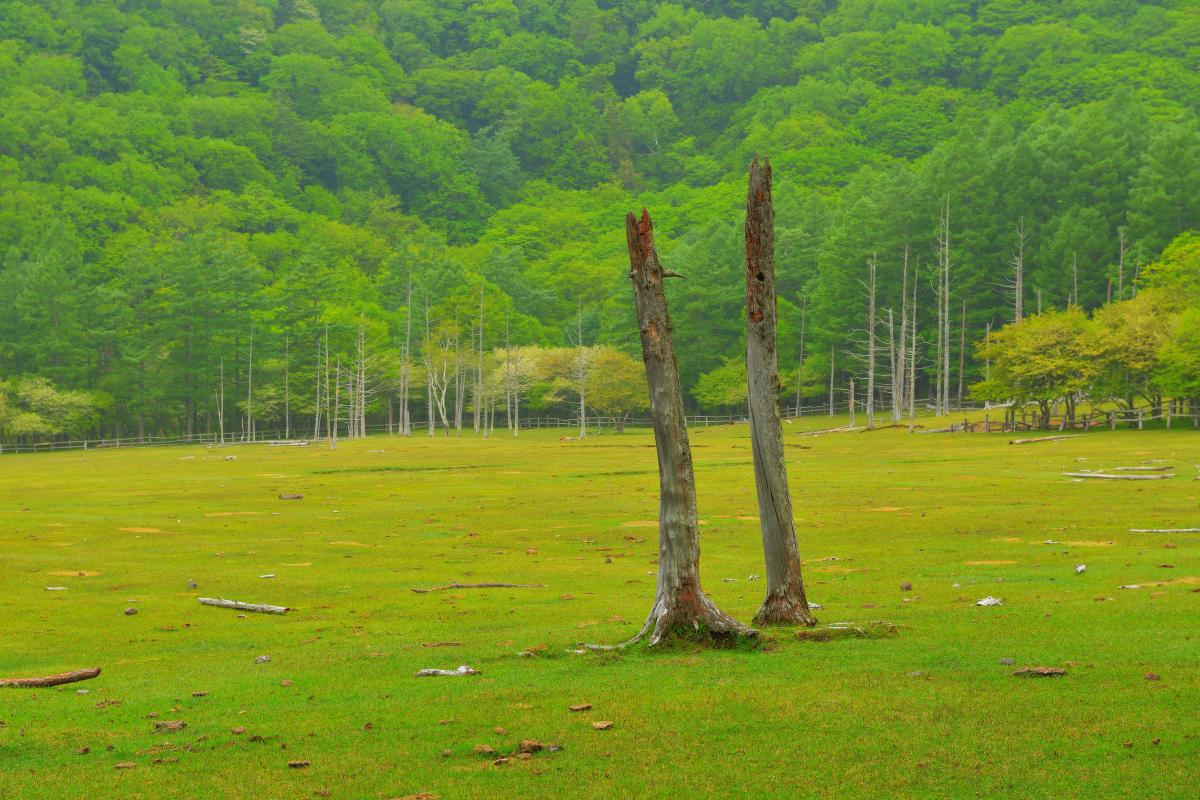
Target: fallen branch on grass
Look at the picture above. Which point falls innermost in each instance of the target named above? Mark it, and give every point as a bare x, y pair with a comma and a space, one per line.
1045, 439
1108, 477
1164, 530
480, 586
51, 680
261, 608
463, 670
1140, 469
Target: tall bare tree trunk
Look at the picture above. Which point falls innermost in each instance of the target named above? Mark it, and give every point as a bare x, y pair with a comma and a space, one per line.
832, 352
850, 404
221, 402
680, 605
480, 417
962, 351
581, 373
428, 355
912, 354
1075, 279
330, 424
785, 601
287, 400
337, 404
406, 365
894, 366
800, 362
871, 345
250, 389
1018, 279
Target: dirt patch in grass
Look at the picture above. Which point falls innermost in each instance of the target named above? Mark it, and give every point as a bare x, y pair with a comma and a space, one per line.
996, 563
231, 513
1008, 539
1090, 544
640, 523
74, 573
140, 530
886, 508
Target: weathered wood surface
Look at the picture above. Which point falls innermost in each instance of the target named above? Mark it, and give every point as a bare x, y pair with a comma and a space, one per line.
260, 608
680, 603
51, 680
785, 600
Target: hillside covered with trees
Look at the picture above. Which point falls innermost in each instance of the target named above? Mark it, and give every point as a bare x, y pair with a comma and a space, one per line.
250, 214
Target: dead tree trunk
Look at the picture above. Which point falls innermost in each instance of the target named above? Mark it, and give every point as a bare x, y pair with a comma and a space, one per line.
680, 605
785, 601
871, 345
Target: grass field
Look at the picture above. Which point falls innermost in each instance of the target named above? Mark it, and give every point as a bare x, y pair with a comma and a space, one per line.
930, 713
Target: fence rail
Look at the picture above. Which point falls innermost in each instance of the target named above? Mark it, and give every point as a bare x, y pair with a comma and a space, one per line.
1029, 419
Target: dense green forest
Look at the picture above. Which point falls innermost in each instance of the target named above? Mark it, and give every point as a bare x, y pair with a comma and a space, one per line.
212, 207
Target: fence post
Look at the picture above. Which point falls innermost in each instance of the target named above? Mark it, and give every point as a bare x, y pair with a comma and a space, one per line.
1141, 419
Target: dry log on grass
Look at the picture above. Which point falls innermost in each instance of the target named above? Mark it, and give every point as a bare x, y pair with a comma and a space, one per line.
1140, 469
51, 680
261, 608
1106, 476
1164, 530
479, 586
1045, 439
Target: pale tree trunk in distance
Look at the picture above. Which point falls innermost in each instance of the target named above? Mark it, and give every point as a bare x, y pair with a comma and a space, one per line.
871, 346
221, 402
460, 387
581, 373
680, 605
1121, 264
317, 396
912, 354
946, 313
1018, 279
831, 373
480, 414
899, 384
785, 601
937, 369
893, 366
428, 355
406, 364
337, 404
328, 424
850, 404
800, 363
250, 389
1075, 279
962, 351
287, 404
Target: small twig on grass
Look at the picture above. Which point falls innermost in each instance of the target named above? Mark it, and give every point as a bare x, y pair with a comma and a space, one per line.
51, 680
261, 608
479, 586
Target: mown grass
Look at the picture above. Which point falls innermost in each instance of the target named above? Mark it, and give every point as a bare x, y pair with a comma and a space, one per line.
930, 712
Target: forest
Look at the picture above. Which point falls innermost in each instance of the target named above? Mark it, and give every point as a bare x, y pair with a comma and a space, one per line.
266, 215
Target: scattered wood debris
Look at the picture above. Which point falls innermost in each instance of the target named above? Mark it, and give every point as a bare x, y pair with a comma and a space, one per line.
261, 608
989, 601
51, 680
462, 670
845, 630
1039, 672
581, 707
602, 725
291, 497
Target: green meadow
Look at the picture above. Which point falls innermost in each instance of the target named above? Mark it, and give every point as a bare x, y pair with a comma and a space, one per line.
930, 712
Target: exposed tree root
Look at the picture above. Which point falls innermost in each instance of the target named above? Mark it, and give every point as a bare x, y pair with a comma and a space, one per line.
782, 608
690, 616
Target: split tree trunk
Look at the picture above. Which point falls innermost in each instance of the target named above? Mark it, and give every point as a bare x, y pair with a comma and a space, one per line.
785, 601
680, 605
